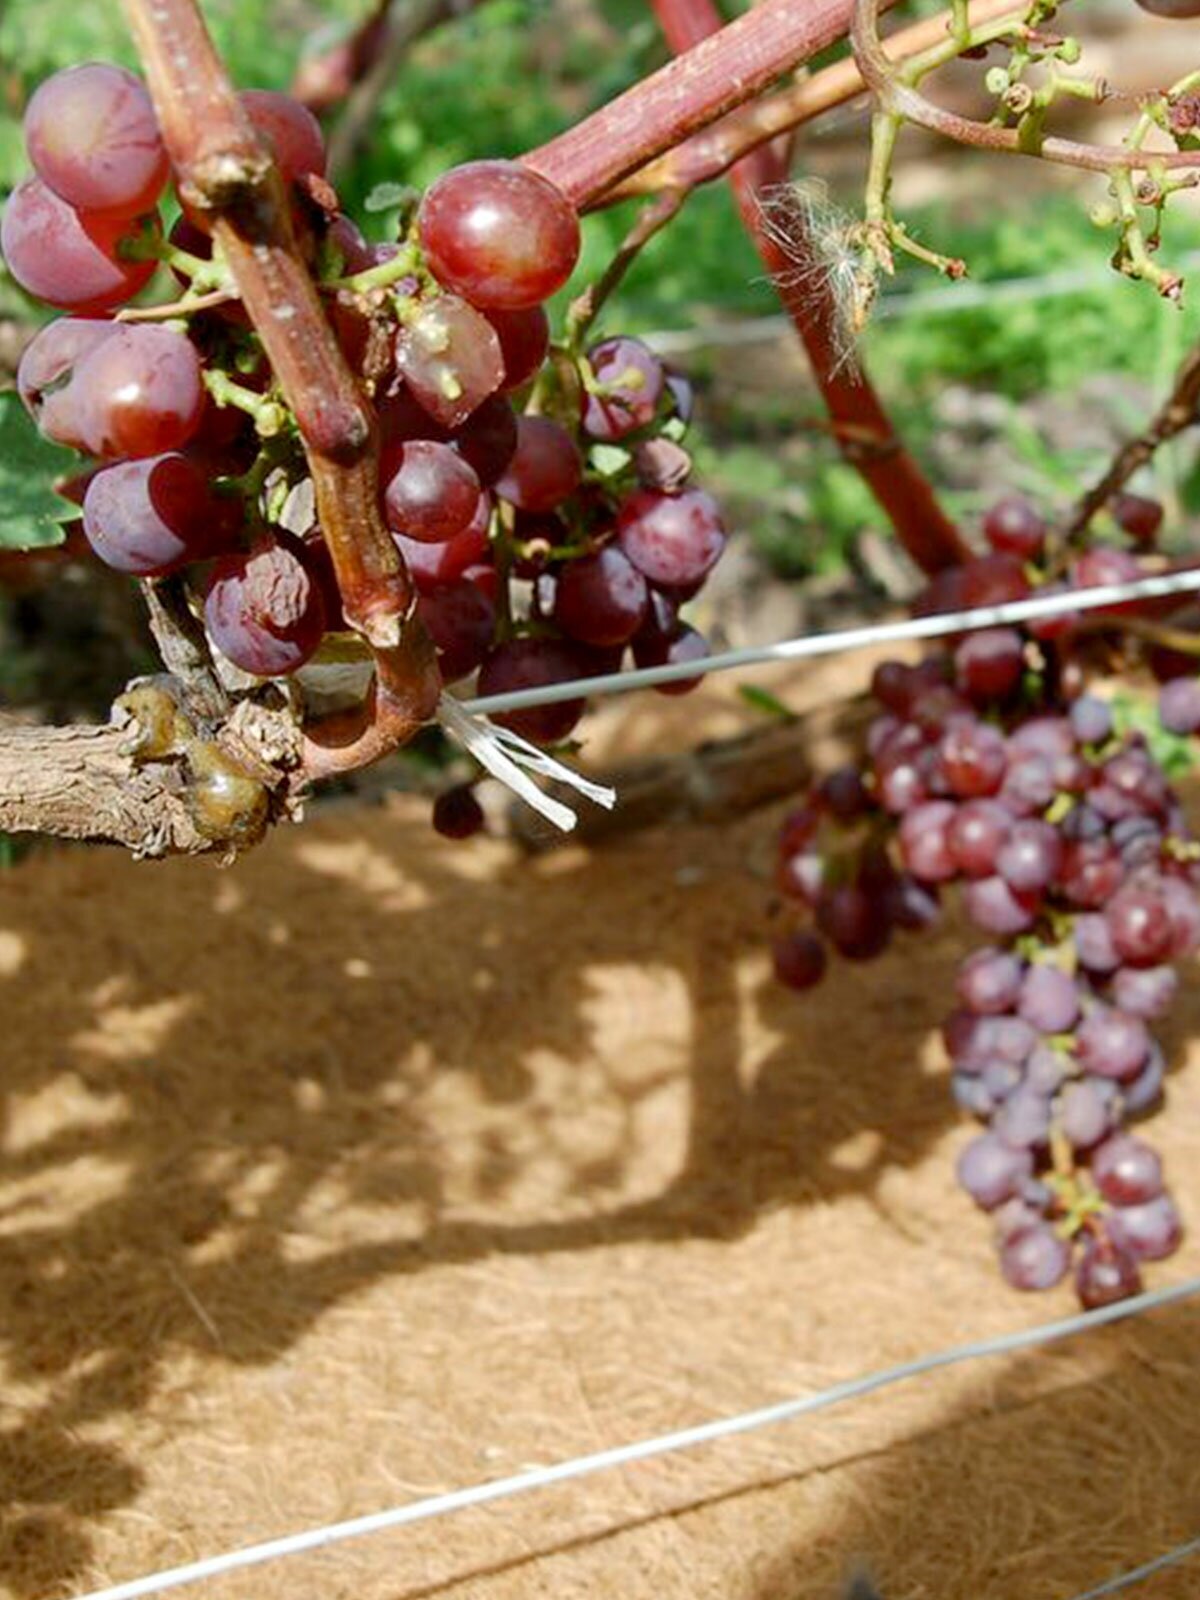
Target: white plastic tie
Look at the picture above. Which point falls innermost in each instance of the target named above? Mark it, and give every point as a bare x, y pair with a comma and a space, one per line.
510, 758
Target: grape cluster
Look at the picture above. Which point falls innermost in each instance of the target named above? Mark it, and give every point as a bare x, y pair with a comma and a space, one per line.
990, 767
538, 493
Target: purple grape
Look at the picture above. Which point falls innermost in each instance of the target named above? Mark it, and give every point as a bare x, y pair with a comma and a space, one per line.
994, 907
674, 540
1049, 999
799, 959
1150, 1232
629, 379
975, 758
1144, 1092
977, 834
1014, 526
601, 599
1030, 857
1024, 1119
1087, 1111
991, 1171
910, 904
989, 981
1179, 705
1093, 944
1012, 1038
1183, 908
971, 1095
1105, 1274
1127, 1171
1035, 1258
855, 924
1028, 785
150, 516
1146, 992
924, 841
1000, 1078
1091, 719
1013, 1216
1112, 1044
1045, 1069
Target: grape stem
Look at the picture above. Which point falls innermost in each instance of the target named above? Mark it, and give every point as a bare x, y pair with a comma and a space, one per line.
710, 153
810, 287
719, 74
225, 169
1180, 410
663, 208
897, 95
184, 649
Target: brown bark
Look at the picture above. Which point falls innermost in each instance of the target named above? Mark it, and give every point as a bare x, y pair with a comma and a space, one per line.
78, 783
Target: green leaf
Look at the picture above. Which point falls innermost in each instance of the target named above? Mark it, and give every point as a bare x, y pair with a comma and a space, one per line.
390, 197
31, 513
609, 459
1174, 752
763, 700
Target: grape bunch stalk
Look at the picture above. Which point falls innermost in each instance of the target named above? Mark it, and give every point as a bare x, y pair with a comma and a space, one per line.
537, 491
993, 766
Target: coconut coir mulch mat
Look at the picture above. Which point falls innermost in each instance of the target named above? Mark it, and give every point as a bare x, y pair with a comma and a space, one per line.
377, 1166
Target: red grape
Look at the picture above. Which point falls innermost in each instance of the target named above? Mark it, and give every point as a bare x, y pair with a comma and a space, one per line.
45, 376
430, 493
1105, 1274
1150, 1231
499, 234
148, 517
487, 440
93, 138
431, 564
629, 380
1139, 516
545, 469
799, 959
1016, 527
988, 664
264, 609
524, 339
291, 130
527, 664
65, 257
675, 540
684, 644
457, 814
461, 621
449, 356
141, 392
1126, 1170
601, 599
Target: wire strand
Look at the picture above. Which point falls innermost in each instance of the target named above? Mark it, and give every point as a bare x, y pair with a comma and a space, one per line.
1126, 1580
439, 1505
1093, 598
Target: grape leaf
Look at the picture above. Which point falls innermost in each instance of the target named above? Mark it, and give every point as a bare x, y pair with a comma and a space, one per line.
391, 197
763, 700
31, 514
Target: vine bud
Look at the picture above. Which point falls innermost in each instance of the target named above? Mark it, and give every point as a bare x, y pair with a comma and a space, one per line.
996, 80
